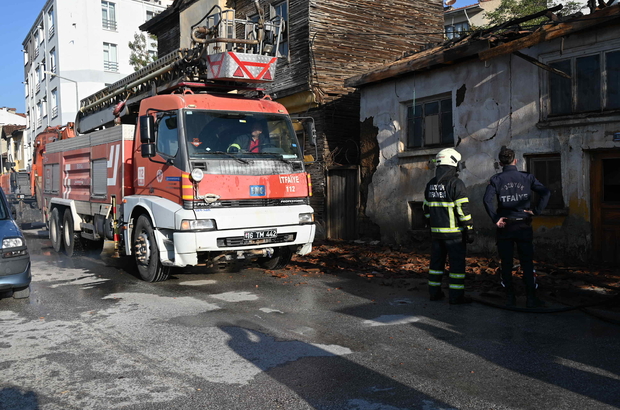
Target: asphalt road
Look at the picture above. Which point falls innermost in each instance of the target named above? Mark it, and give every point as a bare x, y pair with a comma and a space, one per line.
93, 336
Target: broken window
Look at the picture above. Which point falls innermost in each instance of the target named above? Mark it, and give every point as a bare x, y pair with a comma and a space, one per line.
429, 124
416, 215
547, 169
594, 84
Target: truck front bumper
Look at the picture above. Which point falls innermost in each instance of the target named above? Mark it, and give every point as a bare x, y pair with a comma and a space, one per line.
184, 248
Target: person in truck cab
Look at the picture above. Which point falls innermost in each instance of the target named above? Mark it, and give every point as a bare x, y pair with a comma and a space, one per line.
252, 142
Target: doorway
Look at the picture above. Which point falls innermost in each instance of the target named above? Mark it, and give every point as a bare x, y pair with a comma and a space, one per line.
605, 211
342, 200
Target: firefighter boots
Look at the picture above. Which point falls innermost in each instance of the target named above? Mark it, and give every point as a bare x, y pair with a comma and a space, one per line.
532, 300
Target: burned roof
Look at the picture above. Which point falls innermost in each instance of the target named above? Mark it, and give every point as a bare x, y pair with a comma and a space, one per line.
485, 44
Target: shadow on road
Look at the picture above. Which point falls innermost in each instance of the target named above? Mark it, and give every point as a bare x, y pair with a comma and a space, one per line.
321, 374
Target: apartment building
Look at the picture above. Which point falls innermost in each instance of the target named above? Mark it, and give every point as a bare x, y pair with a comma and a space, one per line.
74, 48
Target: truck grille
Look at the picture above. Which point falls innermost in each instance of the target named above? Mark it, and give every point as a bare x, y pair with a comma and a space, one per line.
246, 203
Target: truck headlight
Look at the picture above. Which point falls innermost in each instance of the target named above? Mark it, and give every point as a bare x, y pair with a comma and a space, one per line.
12, 243
198, 225
197, 174
306, 218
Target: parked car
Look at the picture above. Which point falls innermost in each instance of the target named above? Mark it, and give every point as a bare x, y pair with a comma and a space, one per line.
15, 259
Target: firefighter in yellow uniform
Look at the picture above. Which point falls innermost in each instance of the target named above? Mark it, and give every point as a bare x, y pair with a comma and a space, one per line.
447, 208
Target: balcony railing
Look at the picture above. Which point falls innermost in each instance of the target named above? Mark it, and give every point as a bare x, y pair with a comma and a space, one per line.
39, 122
110, 66
108, 24
37, 88
55, 112
51, 32
36, 52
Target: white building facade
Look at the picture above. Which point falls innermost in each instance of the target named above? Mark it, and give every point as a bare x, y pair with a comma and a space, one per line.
85, 44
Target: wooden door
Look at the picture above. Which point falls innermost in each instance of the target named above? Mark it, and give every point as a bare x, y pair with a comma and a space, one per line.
605, 211
342, 200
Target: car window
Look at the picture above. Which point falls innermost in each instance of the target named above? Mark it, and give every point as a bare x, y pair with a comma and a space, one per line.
4, 208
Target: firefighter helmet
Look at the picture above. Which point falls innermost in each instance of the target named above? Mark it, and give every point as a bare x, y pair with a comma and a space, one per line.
448, 156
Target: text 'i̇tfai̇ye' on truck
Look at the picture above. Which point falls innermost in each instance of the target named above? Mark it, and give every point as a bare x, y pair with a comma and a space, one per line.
164, 163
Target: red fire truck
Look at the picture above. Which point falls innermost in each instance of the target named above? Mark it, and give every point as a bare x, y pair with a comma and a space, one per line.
178, 170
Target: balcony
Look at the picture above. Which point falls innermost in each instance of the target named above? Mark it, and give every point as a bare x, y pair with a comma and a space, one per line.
37, 88
110, 66
39, 122
55, 112
36, 52
108, 24
51, 32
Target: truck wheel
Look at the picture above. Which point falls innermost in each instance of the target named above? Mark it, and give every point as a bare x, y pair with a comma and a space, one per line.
146, 252
280, 258
68, 235
22, 293
55, 230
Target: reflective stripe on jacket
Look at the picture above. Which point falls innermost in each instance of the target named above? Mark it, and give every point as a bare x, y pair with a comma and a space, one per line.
447, 206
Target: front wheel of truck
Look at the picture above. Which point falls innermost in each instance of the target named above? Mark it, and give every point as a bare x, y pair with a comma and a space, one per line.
55, 230
280, 258
146, 252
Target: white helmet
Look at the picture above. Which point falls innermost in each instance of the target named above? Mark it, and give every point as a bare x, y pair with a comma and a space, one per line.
448, 156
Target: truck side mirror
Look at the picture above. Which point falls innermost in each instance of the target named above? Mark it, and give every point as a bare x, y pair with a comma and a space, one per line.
147, 130
148, 150
310, 132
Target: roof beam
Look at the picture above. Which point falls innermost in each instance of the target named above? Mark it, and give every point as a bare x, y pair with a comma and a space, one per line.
547, 33
541, 65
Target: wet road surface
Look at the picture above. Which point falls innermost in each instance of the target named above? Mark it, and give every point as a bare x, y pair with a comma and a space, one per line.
93, 336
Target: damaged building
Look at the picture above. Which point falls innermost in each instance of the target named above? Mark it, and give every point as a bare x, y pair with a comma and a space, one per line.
550, 93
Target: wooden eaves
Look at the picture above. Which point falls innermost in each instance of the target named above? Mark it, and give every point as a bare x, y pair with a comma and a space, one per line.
485, 45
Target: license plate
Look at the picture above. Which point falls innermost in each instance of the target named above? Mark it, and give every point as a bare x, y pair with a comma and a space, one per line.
252, 235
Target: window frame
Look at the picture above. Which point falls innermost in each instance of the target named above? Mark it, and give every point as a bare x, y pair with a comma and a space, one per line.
558, 198
108, 23
284, 39
109, 64
574, 117
409, 106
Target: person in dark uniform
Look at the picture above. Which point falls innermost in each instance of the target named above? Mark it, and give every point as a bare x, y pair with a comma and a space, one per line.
513, 192
446, 207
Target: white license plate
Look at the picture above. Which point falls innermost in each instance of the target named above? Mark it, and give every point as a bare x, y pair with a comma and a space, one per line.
252, 235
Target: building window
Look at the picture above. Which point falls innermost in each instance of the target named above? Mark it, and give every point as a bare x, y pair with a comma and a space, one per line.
39, 114
594, 85
281, 10
50, 22
37, 73
110, 59
150, 14
54, 96
457, 30
416, 215
53, 60
547, 169
429, 123
108, 15
611, 180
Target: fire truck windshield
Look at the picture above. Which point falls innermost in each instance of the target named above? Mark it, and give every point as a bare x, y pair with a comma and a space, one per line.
238, 134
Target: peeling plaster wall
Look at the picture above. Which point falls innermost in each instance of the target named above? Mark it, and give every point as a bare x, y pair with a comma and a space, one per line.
494, 103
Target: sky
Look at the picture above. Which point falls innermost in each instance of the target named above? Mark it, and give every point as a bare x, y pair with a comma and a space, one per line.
17, 18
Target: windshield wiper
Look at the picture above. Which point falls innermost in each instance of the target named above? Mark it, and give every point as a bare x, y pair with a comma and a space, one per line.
245, 161
276, 156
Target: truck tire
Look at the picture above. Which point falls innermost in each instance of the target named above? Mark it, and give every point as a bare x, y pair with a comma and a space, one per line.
280, 258
146, 252
55, 230
71, 245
